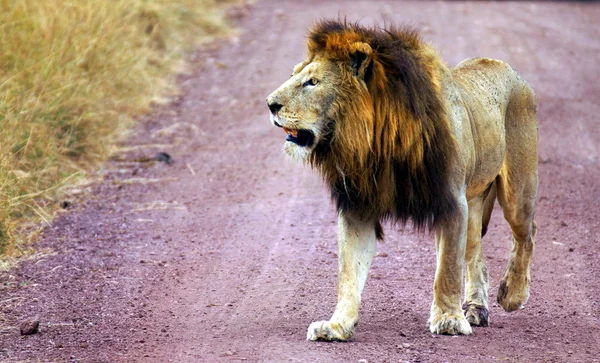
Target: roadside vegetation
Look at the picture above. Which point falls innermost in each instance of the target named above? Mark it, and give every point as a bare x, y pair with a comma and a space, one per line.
73, 75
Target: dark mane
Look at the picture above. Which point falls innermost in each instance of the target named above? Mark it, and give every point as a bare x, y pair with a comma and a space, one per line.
405, 173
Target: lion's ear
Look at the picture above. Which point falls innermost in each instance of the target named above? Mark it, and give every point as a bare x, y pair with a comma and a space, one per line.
360, 58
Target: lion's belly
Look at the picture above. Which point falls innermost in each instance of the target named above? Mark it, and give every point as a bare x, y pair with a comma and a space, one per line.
485, 87
490, 151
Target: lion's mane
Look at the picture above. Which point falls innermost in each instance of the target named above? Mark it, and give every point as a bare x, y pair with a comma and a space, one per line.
390, 152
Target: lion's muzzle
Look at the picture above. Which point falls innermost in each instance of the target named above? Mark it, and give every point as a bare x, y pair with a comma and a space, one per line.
300, 137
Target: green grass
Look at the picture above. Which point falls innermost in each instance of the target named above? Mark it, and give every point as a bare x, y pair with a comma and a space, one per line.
73, 76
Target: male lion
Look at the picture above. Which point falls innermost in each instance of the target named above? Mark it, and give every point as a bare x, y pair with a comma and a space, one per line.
398, 135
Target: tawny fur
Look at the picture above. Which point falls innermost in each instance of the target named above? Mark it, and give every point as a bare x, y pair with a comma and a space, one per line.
398, 135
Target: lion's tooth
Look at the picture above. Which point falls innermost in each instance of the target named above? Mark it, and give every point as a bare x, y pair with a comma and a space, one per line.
294, 133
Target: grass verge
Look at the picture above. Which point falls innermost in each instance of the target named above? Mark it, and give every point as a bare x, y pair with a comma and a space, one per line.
73, 74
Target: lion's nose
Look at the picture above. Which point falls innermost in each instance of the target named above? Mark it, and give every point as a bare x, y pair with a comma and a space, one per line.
275, 107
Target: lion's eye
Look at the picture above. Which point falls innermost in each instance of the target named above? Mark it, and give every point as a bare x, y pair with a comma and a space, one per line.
310, 82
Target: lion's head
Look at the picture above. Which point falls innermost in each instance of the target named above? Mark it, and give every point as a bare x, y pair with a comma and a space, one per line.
323, 91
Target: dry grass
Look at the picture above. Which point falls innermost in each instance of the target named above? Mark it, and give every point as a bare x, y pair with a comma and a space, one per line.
73, 74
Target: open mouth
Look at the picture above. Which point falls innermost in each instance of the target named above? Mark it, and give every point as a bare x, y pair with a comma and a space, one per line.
304, 138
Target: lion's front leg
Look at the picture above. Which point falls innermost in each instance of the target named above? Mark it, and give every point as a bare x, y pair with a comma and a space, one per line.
356, 244
446, 316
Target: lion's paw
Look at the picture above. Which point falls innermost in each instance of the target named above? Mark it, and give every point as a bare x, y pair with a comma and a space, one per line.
476, 315
513, 292
449, 324
328, 331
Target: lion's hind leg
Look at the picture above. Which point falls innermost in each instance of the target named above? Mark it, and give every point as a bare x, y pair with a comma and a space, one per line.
475, 305
518, 210
488, 208
516, 192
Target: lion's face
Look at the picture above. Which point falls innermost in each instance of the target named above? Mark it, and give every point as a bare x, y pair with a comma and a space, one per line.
304, 105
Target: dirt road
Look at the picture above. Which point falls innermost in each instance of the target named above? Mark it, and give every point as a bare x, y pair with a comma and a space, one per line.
230, 252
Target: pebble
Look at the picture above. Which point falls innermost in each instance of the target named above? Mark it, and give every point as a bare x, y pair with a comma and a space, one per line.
30, 327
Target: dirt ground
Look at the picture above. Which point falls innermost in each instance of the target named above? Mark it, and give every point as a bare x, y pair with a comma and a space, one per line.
230, 252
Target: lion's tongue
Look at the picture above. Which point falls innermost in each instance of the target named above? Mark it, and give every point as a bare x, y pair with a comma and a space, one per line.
294, 133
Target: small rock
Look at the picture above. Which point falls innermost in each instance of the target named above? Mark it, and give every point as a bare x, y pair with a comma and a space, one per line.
30, 327
571, 249
405, 345
164, 158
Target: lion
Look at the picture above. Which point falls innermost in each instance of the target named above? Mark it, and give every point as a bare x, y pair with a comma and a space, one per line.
397, 135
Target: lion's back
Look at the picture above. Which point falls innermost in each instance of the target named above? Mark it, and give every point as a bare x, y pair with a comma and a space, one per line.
489, 80
490, 86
